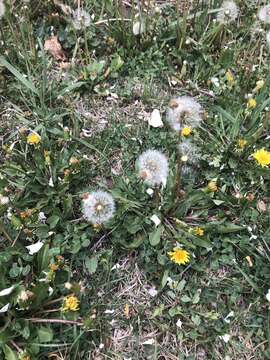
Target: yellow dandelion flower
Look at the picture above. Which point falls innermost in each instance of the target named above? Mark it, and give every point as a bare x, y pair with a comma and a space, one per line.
262, 156
71, 303
198, 231
241, 143
33, 138
251, 104
54, 267
212, 186
179, 256
230, 78
186, 131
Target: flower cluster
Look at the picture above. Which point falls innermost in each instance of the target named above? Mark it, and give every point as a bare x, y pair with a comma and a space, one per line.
98, 207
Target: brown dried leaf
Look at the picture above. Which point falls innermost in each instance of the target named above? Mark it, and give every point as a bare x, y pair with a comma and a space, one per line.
54, 47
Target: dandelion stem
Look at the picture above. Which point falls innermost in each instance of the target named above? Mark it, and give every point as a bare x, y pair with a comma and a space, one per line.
59, 321
3, 231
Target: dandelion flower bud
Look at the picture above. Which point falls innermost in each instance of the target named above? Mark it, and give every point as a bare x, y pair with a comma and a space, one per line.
189, 152
228, 12
184, 112
81, 19
153, 167
264, 14
212, 186
98, 207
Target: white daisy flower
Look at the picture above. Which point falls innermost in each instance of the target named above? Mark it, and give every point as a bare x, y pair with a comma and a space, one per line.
189, 152
81, 19
268, 295
264, 14
184, 111
4, 200
98, 207
2, 8
228, 12
153, 167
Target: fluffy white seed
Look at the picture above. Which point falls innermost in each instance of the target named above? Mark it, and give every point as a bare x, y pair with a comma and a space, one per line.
81, 19
189, 152
153, 167
264, 14
98, 207
184, 111
228, 12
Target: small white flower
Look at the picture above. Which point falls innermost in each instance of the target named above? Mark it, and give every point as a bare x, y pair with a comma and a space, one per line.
264, 14
228, 12
184, 111
268, 295
98, 207
34, 248
152, 292
4, 200
2, 8
225, 337
7, 291
42, 217
153, 167
81, 19
215, 81
4, 308
138, 28
179, 324
189, 152
155, 119
150, 191
155, 220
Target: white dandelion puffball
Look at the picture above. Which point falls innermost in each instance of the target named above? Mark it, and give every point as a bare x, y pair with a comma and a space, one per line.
228, 12
98, 207
264, 14
189, 152
2, 8
81, 19
153, 167
184, 111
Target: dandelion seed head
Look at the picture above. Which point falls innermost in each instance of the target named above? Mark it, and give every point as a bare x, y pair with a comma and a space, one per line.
153, 167
189, 152
184, 112
81, 19
228, 12
264, 14
98, 207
